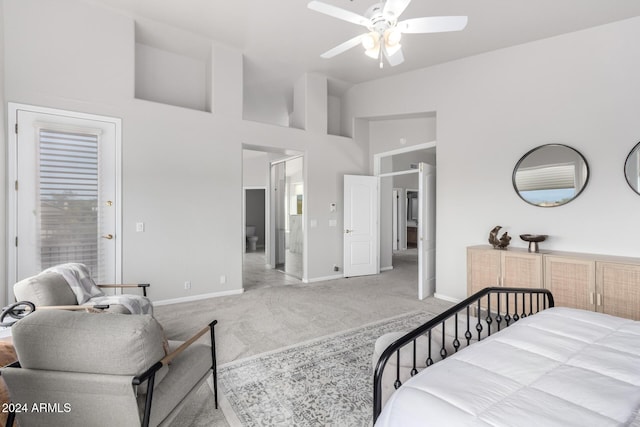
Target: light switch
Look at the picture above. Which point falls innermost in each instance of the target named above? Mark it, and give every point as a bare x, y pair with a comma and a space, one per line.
333, 223
313, 223
139, 227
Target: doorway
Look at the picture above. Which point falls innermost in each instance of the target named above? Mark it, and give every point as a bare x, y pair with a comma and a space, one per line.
278, 175
66, 207
287, 223
400, 205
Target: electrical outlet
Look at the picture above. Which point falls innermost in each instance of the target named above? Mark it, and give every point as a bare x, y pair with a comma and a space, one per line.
223, 279
336, 268
139, 227
187, 285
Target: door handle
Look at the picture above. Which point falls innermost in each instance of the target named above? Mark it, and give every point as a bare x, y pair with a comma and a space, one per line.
347, 231
108, 236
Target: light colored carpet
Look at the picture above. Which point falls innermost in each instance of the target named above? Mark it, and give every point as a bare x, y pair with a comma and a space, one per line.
273, 317
323, 382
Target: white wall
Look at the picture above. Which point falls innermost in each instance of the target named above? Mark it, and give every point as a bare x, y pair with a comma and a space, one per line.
3, 161
164, 76
580, 89
334, 115
266, 105
255, 169
182, 171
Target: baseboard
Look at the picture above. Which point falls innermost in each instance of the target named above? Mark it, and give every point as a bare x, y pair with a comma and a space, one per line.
322, 279
446, 298
386, 268
198, 297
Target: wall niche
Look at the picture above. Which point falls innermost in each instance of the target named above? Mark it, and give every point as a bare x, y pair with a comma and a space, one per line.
335, 92
172, 66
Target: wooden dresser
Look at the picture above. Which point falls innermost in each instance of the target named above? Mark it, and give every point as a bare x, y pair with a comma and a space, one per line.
603, 283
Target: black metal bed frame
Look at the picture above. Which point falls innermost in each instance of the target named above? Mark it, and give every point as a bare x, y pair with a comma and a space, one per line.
502, 317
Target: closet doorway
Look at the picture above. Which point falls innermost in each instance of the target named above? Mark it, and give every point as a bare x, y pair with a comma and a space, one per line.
407, 211
278, 175
287, 224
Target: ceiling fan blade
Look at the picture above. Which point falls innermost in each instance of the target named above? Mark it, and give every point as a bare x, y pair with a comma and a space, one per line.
349, 44
337, 12
396, 58
395, 7
433, 24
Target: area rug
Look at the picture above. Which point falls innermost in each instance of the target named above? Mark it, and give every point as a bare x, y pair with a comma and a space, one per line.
323, 382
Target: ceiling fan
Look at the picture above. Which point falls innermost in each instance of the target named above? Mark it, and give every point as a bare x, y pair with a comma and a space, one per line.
385, 31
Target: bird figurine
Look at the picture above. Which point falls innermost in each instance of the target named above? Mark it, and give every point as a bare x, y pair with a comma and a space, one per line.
499, 243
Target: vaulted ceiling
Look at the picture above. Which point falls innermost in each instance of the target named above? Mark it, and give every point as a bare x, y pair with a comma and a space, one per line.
281, 39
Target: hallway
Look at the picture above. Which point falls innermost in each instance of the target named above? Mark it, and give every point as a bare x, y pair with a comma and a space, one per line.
256, 274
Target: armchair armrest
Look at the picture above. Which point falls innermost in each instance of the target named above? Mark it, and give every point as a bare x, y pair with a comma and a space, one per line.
144, 286
149, 374
73, 307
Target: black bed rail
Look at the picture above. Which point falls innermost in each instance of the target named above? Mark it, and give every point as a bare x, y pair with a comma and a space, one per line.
498, 307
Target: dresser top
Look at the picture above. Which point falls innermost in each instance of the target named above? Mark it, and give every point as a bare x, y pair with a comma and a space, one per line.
565, 254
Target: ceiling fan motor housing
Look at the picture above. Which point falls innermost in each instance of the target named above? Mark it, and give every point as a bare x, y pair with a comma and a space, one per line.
379, 21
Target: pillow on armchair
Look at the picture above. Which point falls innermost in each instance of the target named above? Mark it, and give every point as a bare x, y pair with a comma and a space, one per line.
45, 289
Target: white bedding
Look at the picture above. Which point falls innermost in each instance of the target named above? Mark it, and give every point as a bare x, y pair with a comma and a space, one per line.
560, 367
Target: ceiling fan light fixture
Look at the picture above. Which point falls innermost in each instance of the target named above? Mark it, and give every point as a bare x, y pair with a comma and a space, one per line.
391, 50
392, 37
371, 41
373, 53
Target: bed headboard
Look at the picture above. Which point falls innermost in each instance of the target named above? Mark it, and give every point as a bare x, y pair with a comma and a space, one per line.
477, 317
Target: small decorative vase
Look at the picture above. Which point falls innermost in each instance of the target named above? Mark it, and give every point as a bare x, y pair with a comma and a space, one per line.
533, 240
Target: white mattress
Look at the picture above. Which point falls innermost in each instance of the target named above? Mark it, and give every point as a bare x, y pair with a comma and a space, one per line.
560, 367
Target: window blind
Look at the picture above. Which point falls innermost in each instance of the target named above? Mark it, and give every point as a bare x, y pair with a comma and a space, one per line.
546, 178
68, 192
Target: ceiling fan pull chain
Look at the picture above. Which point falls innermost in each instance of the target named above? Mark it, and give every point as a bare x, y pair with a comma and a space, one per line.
380, 52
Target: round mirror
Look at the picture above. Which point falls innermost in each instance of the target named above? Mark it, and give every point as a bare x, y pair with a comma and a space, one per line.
632, 168
550, 175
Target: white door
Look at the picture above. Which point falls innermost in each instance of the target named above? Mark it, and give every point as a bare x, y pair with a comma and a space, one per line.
360, 225
427, 231
66, 200
395, 233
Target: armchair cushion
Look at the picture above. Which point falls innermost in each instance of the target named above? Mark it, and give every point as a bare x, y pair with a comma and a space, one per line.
45, 289
67, 341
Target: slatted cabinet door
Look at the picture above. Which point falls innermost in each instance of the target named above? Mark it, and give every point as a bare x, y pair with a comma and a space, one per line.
483, 269
572, 281
618, 289
515, 268
520, 270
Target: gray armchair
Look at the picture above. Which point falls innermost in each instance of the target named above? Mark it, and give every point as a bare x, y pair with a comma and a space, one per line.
84, 369
69, 286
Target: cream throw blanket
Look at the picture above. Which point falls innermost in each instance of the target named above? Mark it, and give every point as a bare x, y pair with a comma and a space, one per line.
88, 293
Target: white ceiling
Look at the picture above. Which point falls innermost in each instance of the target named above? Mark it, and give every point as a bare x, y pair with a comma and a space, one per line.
282, 39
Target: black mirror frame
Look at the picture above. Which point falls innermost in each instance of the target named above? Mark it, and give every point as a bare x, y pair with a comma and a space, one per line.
634, 150
515, 169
